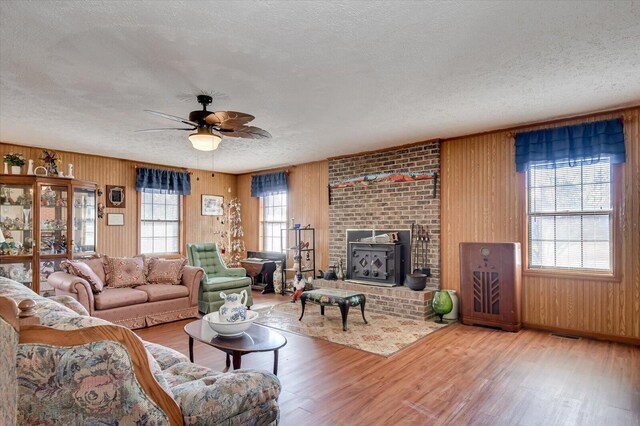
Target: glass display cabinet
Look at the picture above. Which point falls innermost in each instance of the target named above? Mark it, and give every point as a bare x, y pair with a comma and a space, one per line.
84, 221
16, 238
43, 221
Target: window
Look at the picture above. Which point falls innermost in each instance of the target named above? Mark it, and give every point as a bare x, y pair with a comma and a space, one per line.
273, 218
160, 221
570, 216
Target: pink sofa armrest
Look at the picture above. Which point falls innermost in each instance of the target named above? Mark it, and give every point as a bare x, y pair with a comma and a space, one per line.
76, 287
191, 277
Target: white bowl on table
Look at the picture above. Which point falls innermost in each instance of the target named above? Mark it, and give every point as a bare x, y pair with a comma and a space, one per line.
229, 329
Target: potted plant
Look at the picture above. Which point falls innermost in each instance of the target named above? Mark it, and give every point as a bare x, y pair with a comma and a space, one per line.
15, 160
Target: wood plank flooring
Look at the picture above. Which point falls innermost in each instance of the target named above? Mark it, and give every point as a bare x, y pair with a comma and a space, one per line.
456, 376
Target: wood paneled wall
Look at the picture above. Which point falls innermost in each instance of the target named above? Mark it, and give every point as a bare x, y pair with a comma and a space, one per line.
123, 240
308, 204
483, 200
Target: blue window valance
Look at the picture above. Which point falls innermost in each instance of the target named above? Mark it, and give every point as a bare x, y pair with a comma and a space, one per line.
171, 181
267, 184
578, 143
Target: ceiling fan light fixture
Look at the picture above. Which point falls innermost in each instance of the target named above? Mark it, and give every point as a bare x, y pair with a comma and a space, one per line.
205, 140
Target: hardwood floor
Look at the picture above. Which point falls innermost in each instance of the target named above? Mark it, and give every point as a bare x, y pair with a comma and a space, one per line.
456, 376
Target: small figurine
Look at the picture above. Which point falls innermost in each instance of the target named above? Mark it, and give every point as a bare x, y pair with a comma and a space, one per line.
277, 278
340, 272
298, 284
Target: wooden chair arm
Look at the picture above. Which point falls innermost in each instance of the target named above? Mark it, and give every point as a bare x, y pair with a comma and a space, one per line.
36, 334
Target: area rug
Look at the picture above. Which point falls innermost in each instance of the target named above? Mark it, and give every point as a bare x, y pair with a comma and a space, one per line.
384, 335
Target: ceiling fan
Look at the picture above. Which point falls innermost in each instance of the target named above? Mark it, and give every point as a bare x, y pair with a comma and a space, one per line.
211, 126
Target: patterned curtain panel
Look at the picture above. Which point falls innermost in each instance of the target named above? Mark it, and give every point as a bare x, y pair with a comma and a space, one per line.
272, 183
169, 181
580, 143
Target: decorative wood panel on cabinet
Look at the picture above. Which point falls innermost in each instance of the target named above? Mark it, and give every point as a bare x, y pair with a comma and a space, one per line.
490, 284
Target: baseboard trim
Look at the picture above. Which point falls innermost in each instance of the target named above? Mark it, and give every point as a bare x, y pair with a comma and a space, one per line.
597, 336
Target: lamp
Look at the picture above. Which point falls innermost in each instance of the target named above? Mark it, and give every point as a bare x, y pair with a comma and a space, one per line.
1, 237
205, 139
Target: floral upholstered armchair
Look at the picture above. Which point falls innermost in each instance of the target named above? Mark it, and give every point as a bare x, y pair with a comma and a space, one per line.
76, 369
83, 376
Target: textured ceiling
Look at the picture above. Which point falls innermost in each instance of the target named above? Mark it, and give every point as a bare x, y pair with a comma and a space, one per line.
324, 78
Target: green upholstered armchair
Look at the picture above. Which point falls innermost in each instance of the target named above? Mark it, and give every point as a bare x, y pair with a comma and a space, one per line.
217, 277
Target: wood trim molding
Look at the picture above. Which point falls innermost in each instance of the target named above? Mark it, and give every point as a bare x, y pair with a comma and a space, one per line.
551, 122
138, 222
35, 334
136, 163
589, 335
390, 148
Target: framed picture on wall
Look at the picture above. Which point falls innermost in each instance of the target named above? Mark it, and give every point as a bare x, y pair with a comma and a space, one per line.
115, 196
115, 219
212, 205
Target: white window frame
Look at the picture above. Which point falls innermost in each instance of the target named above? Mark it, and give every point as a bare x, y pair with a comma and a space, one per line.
142, 221
264, 203
610, 212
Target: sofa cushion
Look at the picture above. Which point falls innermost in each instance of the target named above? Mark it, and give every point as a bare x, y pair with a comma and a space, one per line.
125, 272
166, 357
157, 292
205, 256
117, 297
83, 270
217, 397
223, 283
165, 271
97, 263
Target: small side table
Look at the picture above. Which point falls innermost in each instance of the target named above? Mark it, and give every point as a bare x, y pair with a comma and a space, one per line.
332, 297
256, 339
263, 268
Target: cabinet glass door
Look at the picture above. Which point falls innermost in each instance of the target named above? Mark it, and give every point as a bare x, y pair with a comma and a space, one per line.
48, 267
53, 219
17, 270
84, 221
16, 220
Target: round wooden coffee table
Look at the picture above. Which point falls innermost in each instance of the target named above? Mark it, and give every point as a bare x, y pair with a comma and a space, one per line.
257, 338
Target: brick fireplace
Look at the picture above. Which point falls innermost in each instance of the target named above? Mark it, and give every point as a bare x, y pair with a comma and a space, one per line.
386, 205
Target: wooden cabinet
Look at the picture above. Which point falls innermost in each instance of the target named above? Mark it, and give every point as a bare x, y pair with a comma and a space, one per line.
490, 276
44, 220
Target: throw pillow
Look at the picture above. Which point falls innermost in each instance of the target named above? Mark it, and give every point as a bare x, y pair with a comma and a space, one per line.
165, 271
96, 262
84, 271
125, 272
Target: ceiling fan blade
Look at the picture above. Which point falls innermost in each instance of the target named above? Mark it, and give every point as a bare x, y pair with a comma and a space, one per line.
172, 117
246, 132
165, 128
228, 120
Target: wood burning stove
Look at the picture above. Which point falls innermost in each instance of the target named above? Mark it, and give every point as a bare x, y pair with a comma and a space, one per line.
375, 263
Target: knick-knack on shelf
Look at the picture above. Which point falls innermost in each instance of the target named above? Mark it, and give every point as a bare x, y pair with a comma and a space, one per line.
30, 168
70, 171
340, 272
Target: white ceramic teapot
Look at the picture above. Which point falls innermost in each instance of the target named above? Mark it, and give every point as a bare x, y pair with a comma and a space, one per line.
234, 309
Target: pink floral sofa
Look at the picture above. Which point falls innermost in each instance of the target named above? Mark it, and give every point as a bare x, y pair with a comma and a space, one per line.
94, 384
